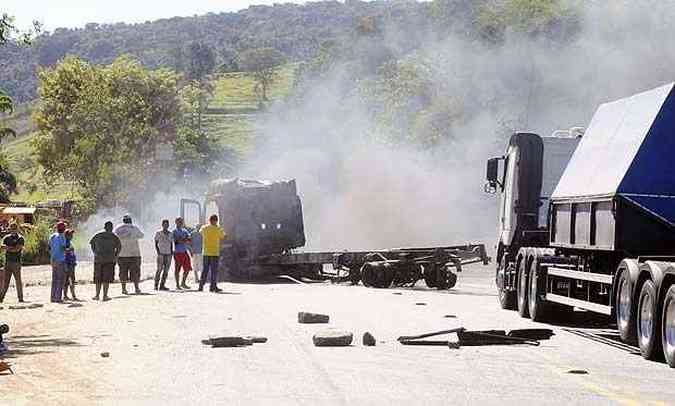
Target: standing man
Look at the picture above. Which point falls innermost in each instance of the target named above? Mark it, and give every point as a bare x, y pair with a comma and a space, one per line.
57, 253
13, 245
212, 235
164, 248
196, 251
129, 261
106, 247
181, 240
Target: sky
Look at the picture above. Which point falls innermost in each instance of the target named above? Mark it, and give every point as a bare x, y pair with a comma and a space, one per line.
76, 13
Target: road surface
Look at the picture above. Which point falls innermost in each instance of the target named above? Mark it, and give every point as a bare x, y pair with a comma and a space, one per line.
156, 355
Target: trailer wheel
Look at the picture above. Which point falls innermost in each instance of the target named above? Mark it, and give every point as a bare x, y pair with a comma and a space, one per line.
538, 308
366, 275
625, 316
668, 327
523, 289
648, 322
507, 298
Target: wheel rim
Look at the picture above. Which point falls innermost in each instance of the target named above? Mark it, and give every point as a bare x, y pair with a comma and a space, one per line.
623, 308
669, 328
646, 318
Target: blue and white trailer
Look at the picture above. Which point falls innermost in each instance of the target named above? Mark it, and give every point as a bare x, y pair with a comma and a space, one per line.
588, 221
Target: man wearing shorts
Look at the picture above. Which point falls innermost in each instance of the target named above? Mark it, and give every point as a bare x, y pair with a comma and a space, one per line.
181, 258
13, 245
164, 248
106, 247
129, 261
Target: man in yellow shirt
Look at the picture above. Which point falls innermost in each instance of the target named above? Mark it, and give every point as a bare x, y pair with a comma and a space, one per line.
212, 235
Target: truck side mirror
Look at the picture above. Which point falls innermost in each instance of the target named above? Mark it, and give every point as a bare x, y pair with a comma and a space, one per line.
492, 175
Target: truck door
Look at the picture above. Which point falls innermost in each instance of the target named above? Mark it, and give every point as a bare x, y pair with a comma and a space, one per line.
192, 212
509, 197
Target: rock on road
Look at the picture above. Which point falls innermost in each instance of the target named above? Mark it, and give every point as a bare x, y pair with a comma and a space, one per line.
156, 355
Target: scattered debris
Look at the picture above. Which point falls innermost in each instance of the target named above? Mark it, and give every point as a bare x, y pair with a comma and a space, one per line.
475, 338
450, 316
75, 305
6, 366
420, 304
333, 338
397, 293
312, 318
577, 372
105, 354
234, 341
368, 340
24, 306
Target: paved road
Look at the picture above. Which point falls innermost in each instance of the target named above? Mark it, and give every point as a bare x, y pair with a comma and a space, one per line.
156, 356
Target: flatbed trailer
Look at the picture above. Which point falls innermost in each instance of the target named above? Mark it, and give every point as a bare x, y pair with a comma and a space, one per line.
589, 222
381, 268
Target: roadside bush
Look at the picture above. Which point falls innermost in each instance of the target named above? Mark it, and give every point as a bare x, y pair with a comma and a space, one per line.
36, 248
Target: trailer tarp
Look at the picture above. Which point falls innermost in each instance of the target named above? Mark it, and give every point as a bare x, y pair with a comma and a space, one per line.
628, 150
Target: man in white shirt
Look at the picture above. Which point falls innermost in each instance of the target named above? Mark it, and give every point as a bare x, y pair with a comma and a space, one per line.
129, 260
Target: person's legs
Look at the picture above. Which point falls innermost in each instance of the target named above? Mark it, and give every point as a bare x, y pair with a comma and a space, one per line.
166, 265
5, 276
19, 283
213, 273
158, 273
97, 280
57, 282
205, 272
123, 265
66, 282
107, 277
187, 267
106, 285
197, 266
72, 282
176, 266
135, 273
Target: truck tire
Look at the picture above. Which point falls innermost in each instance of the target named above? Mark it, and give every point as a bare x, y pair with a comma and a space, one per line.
649, 322
522, 289
625, 309
538, 308
668, 326
507, 298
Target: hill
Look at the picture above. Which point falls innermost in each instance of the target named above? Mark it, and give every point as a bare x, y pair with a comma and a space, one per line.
295, 30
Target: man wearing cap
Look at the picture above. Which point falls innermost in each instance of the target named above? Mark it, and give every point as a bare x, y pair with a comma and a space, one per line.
57, 253
106, 247
129, 261
13, 245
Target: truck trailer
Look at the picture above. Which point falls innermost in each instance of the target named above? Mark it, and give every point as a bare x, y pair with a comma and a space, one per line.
588, 221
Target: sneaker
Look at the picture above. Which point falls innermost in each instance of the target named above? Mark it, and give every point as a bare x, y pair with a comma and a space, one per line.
95, 298
216, 290
184, 286
138, 291
200, 288
106, 298
124, 292
163, 288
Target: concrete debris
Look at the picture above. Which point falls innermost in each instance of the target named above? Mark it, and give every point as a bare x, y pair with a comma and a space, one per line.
105, 354
312, 318
420, 304
450, 316
6, 366
333, 338
30, 306
577, 372
368, 340
234, 341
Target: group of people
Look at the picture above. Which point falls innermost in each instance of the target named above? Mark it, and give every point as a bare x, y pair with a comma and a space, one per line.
119, 247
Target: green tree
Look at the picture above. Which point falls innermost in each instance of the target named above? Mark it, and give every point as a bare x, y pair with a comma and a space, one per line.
8, 184
262, 63
100, 126
202, 61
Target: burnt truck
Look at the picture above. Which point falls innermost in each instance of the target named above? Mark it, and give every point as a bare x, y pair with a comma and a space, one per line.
588, 221
264, 225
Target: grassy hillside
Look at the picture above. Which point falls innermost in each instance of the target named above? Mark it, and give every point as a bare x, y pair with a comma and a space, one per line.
230, 117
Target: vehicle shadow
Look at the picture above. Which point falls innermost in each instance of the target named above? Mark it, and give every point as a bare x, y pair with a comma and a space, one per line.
35, 344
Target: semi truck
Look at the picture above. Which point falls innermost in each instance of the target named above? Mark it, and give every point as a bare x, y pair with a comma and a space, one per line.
264, 224
587, 221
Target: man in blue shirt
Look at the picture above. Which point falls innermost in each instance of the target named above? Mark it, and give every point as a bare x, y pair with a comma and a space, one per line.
181, 258
57, 252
